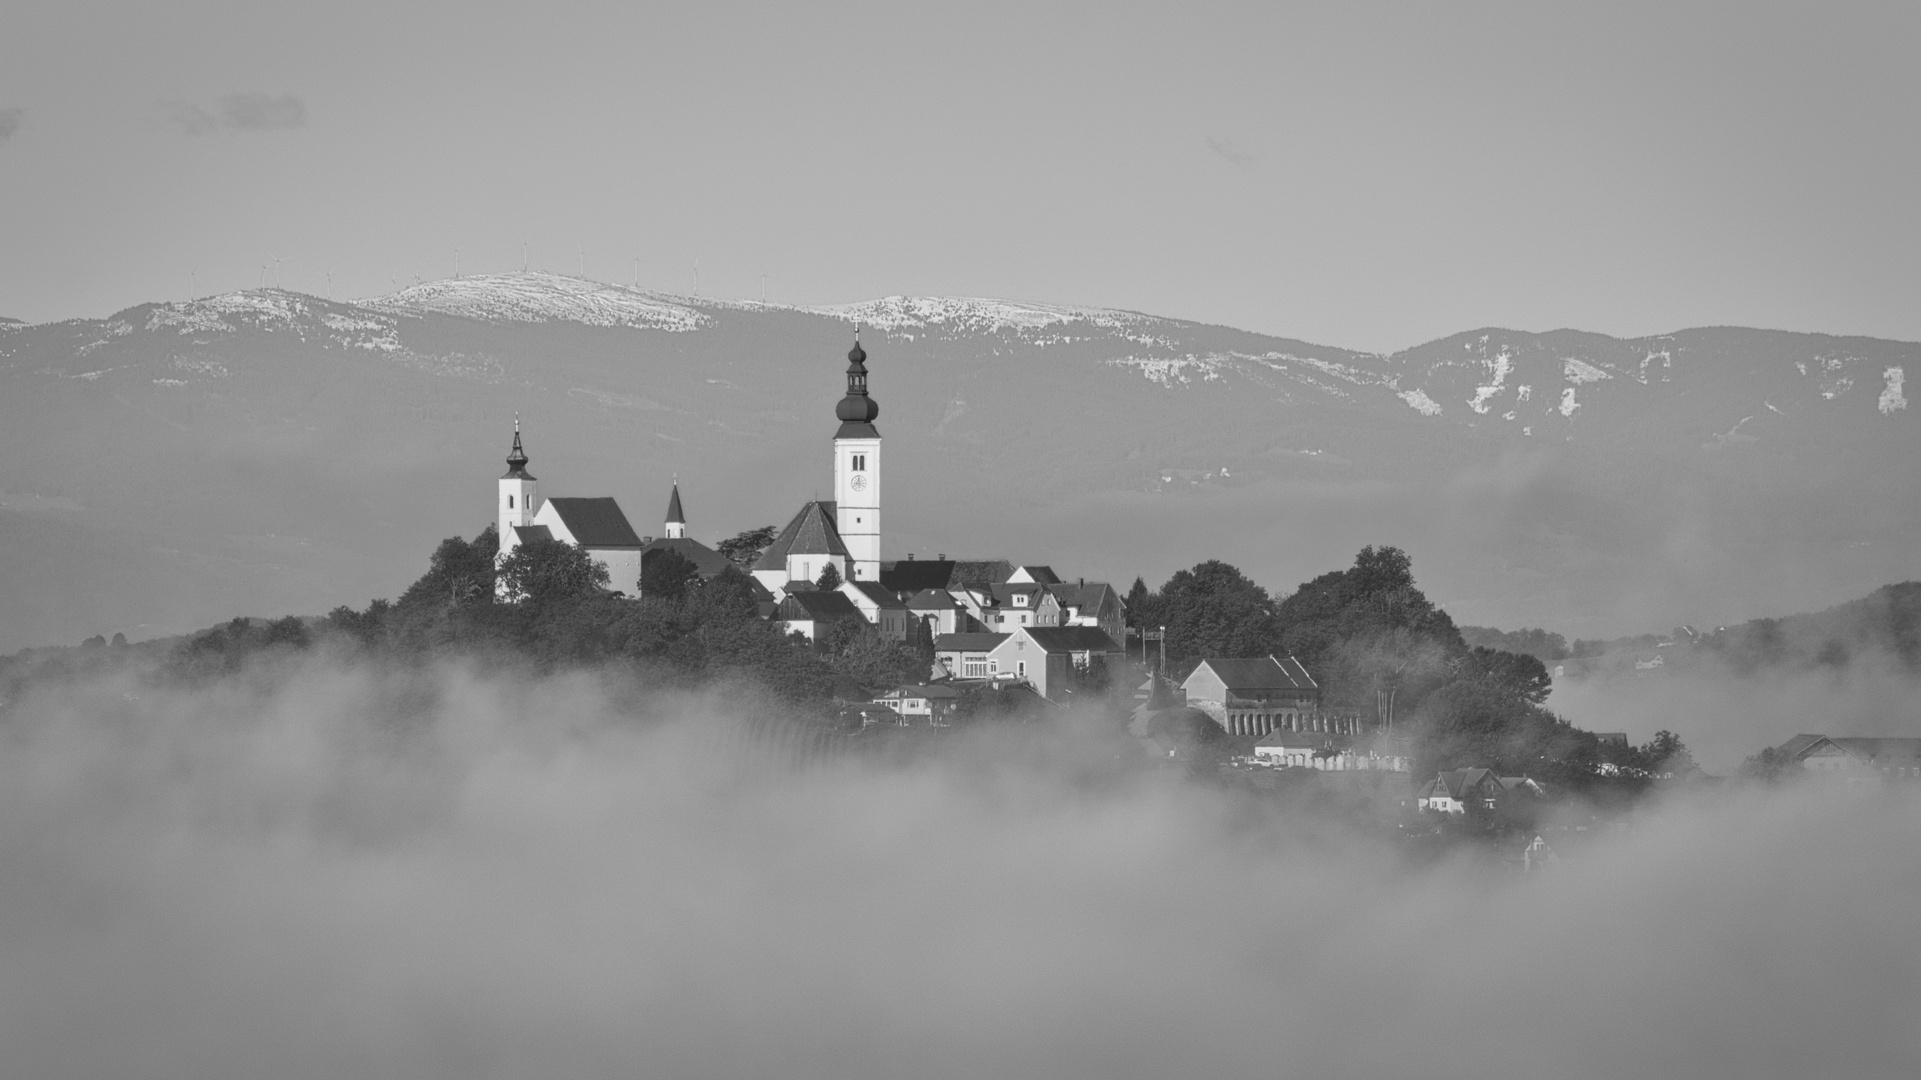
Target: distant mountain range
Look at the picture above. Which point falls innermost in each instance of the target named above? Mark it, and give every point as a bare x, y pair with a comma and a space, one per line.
266, 452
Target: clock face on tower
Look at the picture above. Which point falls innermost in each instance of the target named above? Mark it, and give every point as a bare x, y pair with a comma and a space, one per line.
858, 483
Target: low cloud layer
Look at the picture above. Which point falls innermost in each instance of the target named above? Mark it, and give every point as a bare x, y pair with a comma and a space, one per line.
252, 111
342, 873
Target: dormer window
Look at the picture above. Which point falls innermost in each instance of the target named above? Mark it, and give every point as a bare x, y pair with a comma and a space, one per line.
1020, 600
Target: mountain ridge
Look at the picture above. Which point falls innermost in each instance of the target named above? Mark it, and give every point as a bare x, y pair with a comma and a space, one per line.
271, 450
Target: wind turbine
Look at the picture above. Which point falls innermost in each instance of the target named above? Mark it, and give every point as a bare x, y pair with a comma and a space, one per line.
583, 262
523, 256
193, 283
277, 260
456, 264
696, 277
330, 284
636, 273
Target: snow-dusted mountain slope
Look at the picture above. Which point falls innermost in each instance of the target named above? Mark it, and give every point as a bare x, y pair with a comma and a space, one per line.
267, 451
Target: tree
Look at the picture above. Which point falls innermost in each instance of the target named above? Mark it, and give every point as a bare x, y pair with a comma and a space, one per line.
1369, 628
1214, 610
459, 573
1140, 605
1517, 673
1666, 753
744, 550
666, 574
829, 580
921, 640
547, 571
1771, 765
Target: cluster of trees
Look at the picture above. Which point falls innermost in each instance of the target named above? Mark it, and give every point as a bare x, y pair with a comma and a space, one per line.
1377, 645
683, 630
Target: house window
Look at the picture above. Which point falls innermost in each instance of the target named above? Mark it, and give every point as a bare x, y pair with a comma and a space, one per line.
1021, 668
993, 667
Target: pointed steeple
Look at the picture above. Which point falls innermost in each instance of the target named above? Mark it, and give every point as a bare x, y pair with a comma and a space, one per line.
676, 524
517, 458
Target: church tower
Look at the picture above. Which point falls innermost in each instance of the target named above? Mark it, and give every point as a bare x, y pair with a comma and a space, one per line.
518, 501
857, 471
675, 526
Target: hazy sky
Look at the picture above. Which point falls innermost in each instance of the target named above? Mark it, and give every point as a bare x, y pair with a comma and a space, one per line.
1361, 175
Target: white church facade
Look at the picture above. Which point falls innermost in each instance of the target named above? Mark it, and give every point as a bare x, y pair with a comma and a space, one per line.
844, 532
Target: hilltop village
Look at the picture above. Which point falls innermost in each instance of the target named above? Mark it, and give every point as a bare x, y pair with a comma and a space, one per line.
1353, 692
988, 622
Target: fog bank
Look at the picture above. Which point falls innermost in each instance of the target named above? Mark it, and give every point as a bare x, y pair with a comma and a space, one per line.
338, 872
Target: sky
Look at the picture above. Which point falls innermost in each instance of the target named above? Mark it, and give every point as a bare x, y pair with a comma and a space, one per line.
1363, 175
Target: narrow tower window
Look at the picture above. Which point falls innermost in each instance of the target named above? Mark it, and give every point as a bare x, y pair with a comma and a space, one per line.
510, 502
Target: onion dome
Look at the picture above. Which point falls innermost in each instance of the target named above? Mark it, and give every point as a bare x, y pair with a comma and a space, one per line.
857, 407
517, 459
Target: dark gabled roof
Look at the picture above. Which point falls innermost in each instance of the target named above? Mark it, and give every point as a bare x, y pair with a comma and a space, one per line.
675, 516
812, 532
1456, 783
934, 600
981, 572
801, 606
880, 594
1005, 591
913, 575
1865, 748
705, 559
1041, 574
969, 642
596, 523
1801, 744
1087, 595
1060, 639
1265, 673
530, 533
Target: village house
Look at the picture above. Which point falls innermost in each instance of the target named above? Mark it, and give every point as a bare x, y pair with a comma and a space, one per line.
1452, 792
968, 656
942, 613
887, 612
810, 613
926, 703
1856, 757
1091, 603
1256, 696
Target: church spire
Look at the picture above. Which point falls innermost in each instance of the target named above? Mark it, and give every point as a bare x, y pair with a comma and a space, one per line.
517, 458
857, 410
676, 524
